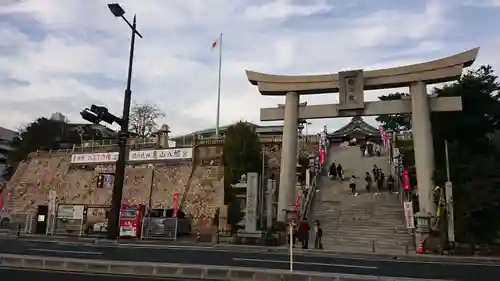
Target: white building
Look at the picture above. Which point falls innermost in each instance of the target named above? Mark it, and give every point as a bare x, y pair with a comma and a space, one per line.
58, 116
6, 138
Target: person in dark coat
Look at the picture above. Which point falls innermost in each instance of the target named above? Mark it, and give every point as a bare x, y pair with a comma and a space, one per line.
304, 233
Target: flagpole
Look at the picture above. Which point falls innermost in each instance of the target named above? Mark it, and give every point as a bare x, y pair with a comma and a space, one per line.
217, 133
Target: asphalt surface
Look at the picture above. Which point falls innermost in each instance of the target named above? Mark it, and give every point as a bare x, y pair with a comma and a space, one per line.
39, 275
210, 256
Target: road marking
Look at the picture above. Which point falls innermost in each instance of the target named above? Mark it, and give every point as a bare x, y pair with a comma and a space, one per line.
308, 263
67, 252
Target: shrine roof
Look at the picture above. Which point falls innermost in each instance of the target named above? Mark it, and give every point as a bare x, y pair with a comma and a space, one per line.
356, 124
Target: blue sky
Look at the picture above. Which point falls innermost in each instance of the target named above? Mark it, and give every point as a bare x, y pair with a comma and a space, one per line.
60, 55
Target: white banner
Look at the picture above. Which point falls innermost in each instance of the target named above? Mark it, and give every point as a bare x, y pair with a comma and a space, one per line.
140, 155
106, 157
408, 209
161, 154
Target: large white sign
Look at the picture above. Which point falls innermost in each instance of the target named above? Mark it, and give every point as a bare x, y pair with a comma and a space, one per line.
139, 155
106, 157
161, 154
408, 208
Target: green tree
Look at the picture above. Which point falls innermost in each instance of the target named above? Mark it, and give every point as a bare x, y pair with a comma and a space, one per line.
474, 153
42, 134
395, 122
241, 155
474, 157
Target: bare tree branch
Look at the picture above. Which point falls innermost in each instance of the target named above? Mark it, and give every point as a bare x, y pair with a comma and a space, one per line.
143, 118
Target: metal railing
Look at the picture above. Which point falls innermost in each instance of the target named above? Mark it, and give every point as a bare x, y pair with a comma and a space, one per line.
18, 224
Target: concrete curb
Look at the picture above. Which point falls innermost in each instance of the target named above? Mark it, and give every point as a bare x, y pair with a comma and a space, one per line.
174, 270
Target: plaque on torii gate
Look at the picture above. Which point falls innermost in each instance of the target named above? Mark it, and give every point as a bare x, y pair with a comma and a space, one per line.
351, 86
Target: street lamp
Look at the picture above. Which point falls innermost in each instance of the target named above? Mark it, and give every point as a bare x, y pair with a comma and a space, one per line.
116, 199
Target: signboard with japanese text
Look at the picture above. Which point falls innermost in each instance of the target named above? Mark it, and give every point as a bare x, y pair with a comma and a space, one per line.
161, 154
139, 155
408, 209
105, 157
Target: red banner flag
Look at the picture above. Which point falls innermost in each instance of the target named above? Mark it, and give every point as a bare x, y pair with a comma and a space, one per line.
405, 180
175, 203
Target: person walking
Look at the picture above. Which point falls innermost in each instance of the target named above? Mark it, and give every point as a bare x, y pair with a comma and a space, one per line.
304, 229
340, 173
369, 182
318, 231
352, 184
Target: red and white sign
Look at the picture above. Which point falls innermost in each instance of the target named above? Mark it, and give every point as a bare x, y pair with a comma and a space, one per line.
405, 180
175, 204
321, 155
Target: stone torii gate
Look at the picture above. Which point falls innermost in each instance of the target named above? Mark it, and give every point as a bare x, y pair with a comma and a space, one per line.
351, 85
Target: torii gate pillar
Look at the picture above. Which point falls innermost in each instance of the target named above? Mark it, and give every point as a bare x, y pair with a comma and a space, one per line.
351, 85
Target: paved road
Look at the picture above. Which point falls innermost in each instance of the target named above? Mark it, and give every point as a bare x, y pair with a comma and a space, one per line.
209, 256
39, 275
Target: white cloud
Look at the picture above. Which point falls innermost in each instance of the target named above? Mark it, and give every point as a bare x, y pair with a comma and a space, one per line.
82, 58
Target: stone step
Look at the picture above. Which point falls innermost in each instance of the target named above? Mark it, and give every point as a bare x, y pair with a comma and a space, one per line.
367, 236
351, 241
360, 210
364, 208
360, 250
352, 218
367, 240
367, 233
356, 223
366, 229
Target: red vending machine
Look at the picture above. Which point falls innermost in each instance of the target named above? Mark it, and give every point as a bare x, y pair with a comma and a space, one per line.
131, 220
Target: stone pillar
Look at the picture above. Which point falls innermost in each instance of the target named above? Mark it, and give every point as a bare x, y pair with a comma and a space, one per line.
288, 155
423, 146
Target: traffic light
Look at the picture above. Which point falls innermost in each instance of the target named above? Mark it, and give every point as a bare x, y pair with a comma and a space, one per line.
100, 181
90, 116
96, 114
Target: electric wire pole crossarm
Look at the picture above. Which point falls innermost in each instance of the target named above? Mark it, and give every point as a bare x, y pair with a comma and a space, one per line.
96, 114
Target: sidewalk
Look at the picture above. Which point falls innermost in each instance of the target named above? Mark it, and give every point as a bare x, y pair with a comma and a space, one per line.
346, 253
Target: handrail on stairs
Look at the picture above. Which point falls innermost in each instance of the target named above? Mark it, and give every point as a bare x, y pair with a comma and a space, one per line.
307, 200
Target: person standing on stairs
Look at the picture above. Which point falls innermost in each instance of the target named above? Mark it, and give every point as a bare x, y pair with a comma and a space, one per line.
362, 147
375, 172
304, 229
380, 180
390, 183
333, 171
340, 173
318, 235
369, 182
352, 185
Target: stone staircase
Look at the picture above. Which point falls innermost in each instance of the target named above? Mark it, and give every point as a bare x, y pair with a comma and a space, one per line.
370, 222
